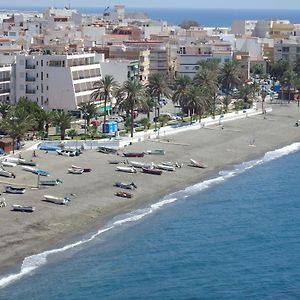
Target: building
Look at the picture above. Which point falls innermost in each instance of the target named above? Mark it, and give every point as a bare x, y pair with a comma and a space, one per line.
243, 27
55, 81
5, 75
287, 50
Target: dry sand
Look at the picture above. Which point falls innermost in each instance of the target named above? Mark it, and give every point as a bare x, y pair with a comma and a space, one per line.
23, 234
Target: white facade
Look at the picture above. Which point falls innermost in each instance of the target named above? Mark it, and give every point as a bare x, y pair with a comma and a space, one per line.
5, 75
251, 45
243, 27
56, 81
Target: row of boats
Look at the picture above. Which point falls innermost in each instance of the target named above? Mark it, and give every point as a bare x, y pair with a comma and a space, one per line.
108, 150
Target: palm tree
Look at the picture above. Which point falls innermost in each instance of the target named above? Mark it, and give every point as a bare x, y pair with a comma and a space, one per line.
226, 102
4, 109
289, 79
158, 88
63, 120
131, 96
89, 110
229, 77
247, 93
181, 90
105, 88
16, 124
196, 101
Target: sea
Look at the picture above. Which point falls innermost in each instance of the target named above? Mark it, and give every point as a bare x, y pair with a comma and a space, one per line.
235, 235
205, 17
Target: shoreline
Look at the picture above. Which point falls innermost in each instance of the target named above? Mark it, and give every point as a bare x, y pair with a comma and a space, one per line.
59, 225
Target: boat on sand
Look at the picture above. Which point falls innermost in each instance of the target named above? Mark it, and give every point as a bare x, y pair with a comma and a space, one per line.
133, 154
35, 171
75, 171
14, 190
50, 182
123, 194
127, 186
22, 208
56, 200
85, 170
6, 173
126, 169
165, 167
152, 170
197, 164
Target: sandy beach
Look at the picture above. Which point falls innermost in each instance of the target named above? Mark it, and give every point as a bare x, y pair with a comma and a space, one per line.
94, 203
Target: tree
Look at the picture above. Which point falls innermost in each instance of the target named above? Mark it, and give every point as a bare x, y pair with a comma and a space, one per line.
163, 119
226, 102
279, 68
16, 124
187, 24
72, 133
181, 90
63, 120
4, 109
289, 79
257, 69
105, 88
145, 122
131, 96
229, 77
247, 93
158, 88
89, 110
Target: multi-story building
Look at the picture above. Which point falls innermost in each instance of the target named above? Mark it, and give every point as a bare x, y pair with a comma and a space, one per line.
55, 81
243, 27
5, 75
288, 50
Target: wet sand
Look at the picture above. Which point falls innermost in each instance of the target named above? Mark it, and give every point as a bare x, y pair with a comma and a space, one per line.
93, 202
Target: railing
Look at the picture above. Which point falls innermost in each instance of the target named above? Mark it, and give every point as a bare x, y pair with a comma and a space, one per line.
28, 91
30, 67
30, 78
4, 91
5, 79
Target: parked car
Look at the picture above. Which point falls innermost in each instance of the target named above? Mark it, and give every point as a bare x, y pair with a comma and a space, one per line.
117, 119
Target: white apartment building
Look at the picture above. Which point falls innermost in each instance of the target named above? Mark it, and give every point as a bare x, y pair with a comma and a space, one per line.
55, 81
243, 27
5, 75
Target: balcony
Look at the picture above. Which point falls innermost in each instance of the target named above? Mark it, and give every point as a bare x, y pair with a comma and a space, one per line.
30, 91
4, 79
31, 79
5, 91
29, 67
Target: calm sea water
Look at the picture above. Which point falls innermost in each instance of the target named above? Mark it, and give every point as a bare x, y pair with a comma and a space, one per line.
236, 236
205, 17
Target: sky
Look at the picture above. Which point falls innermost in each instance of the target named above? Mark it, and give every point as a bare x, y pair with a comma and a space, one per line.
254, 4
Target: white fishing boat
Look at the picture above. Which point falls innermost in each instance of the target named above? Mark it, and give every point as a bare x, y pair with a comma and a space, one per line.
85, 170
197, 164
165, 167
126, 169
12, 159
8, 163
50, 182
6, 173
56, 200
77, 171
170, 163
22, 208
14, 190
35, 171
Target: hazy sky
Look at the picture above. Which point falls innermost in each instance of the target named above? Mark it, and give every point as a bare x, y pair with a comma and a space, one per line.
273, 4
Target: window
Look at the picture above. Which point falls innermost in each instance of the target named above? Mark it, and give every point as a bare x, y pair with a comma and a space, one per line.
285, 49
42, 76
42, 63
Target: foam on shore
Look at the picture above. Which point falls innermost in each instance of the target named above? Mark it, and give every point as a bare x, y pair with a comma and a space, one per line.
33, 262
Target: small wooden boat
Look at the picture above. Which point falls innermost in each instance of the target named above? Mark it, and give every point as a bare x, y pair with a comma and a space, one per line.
22, 208
75, 171
197, 164
35, 171
126, 169
8, 163
152, 171
68, 152
106, 150
14, 190
156, 152
50, 182
133, 154
6, 173
123, 194
85, 170
165, 167
127, 186
24, 162
57, 200
116, 162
